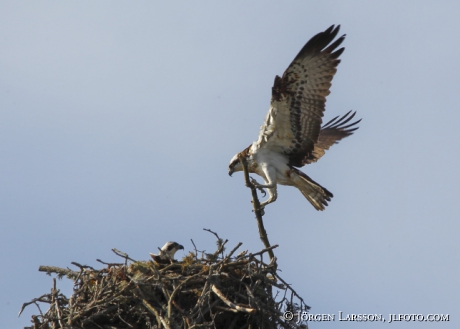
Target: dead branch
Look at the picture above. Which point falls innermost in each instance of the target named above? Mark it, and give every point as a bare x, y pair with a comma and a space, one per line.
122, 254
230, 304
257, 209
60, 271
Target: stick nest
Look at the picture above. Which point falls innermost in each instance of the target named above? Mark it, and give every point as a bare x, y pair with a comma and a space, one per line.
210, 291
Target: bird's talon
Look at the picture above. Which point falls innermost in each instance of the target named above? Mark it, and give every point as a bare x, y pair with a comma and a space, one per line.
262, 211
257, 186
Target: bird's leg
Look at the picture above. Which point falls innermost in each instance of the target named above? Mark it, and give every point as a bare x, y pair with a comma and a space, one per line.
257, 186
272, 196
270, 185
270, 177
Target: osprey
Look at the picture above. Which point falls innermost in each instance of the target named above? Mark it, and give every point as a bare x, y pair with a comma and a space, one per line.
291, 135
167, 253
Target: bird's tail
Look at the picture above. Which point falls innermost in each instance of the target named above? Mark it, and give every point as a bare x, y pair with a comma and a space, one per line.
315, 193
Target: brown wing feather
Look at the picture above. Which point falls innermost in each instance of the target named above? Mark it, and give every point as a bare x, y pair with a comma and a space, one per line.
298, 98
331, 133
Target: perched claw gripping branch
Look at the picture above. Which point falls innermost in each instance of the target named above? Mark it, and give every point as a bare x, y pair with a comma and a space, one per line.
258, 209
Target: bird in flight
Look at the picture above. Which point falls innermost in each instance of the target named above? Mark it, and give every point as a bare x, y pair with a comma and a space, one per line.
292, 135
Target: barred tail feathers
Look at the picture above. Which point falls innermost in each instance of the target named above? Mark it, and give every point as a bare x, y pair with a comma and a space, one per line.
315, 193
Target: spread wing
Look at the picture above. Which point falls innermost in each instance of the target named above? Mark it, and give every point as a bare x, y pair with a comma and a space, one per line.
331, 133
293, 123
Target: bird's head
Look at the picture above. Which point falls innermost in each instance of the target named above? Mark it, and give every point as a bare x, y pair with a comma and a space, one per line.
169, 249
235, 163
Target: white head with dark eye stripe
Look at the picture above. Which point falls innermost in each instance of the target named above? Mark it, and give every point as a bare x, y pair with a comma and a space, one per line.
235, 165
169, 250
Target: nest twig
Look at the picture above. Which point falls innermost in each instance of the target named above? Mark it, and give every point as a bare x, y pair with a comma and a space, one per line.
221, 292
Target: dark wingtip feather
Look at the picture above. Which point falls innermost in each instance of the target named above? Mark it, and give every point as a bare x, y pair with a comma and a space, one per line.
321, 40
339, 124
334, 45
350, 125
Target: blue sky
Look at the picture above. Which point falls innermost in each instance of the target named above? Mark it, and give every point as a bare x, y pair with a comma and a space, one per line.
118, 120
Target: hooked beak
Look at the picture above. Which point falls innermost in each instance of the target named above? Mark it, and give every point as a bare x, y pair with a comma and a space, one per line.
180, 247
230, 172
